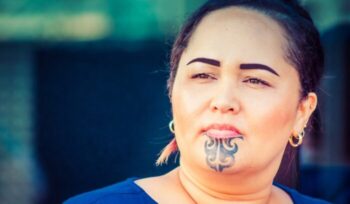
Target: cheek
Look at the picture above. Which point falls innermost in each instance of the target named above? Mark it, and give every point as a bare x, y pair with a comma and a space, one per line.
189, 102
187, 105
268, 124
272, 120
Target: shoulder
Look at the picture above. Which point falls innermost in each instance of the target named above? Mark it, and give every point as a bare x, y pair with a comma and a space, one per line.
299, 198
123, 192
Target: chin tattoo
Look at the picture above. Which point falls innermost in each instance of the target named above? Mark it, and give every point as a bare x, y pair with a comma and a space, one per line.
220, 152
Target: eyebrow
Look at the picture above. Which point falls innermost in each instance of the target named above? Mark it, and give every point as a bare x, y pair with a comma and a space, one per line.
258, 66
206, 61
242, 66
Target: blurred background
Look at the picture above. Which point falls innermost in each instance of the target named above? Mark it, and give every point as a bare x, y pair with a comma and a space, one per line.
83, 100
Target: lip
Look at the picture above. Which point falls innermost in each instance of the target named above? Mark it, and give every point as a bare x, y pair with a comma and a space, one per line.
221, 131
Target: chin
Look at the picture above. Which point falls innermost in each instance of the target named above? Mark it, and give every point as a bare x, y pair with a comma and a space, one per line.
215, 156
222, 155
231, 168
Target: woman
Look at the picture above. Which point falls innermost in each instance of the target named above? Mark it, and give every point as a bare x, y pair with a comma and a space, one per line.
242, 86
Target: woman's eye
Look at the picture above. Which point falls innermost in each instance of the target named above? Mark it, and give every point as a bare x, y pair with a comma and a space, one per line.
202, 76
256, 81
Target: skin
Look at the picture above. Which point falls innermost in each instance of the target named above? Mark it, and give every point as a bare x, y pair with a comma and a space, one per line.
220, 153
264, 106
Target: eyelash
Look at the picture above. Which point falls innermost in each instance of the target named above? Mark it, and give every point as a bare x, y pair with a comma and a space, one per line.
255, 81
202, 76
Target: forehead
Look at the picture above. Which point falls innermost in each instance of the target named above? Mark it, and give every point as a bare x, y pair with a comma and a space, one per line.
238, 32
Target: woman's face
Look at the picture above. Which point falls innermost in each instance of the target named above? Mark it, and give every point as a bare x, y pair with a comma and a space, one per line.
235, 98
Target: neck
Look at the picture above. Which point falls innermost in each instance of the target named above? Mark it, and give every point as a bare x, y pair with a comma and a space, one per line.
219, 188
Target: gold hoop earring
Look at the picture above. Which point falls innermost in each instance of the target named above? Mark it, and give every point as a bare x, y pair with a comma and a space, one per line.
299, 137
171, 126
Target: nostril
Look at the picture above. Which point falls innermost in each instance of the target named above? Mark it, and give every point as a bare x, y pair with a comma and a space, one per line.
225, 106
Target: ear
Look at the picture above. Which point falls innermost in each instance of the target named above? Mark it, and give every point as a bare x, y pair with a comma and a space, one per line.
305, 109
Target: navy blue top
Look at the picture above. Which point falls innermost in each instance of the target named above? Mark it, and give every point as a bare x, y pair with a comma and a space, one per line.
129, 192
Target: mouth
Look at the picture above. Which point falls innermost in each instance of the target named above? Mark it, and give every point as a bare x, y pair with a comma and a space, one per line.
221, 131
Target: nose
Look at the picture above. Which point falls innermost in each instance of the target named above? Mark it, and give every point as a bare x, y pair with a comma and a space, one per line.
225, 100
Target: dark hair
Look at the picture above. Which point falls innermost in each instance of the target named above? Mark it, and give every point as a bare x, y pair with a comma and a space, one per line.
303, 51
